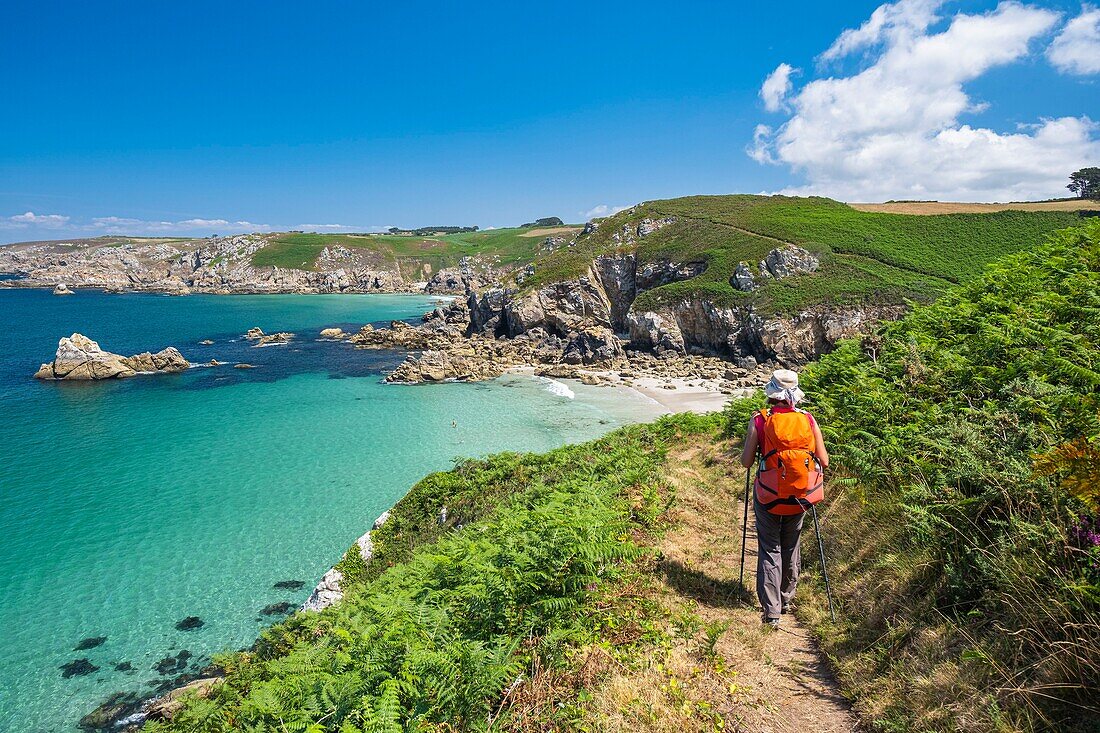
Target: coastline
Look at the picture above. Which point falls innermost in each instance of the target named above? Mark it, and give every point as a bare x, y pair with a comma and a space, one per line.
20, 282
669, 396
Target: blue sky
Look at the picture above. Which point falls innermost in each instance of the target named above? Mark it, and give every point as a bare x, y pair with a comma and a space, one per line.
200, 117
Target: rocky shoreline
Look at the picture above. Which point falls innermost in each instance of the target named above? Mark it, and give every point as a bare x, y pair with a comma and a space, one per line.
219, 266
692, 354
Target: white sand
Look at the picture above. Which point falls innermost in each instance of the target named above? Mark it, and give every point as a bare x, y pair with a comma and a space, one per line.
673, 394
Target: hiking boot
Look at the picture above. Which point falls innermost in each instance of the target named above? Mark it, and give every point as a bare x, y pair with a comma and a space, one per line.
772, 622
785, 609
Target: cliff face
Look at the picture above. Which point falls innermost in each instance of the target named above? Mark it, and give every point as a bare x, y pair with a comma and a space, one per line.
605, 298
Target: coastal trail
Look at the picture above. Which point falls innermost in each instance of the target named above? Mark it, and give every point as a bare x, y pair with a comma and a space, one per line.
724, 670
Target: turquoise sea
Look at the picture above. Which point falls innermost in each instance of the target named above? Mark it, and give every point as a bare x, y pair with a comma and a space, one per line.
126, 506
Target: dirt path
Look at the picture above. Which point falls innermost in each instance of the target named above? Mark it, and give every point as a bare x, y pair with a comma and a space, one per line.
781, 681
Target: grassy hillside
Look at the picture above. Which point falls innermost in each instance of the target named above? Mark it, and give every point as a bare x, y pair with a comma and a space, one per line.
965, 544
502, 247
961, 527
866, 257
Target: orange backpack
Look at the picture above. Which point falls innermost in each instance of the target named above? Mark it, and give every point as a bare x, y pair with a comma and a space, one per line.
789, 478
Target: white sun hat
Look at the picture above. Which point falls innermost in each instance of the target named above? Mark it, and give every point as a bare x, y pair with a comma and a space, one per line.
784, 386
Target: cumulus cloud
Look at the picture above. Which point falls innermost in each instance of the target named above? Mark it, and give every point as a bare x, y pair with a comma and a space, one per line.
776, 87
894, 128
601, 210
126, 225
894, 22
1076, 49
29, 218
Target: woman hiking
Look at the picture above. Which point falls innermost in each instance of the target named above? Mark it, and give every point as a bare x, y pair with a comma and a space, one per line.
787, 443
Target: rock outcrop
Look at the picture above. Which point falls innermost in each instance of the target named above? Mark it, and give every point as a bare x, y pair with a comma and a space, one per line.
167, 705
328, 590
62, 289
787, 261
606, 297
80, 358
166, 360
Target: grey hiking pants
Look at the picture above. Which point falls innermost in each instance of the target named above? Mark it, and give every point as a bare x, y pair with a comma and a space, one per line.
779, 558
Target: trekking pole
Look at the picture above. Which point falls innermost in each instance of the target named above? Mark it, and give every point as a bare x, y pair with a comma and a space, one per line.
824, 572
745, 529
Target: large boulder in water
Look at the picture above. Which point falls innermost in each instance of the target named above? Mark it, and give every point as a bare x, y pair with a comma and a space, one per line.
166, 360
80, 358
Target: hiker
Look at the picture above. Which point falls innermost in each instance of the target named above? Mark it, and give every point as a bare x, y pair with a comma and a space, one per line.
787, 443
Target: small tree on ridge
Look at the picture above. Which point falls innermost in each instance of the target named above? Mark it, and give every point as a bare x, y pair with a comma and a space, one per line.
1085, 183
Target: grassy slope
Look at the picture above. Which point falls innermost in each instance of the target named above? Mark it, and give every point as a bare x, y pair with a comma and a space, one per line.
504, 247
966, 602
866, 257
969, 600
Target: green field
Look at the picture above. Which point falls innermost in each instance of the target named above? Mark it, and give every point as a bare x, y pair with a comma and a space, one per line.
866, 257
503, 247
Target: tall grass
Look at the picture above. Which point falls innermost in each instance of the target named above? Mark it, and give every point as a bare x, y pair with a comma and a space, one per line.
970, 600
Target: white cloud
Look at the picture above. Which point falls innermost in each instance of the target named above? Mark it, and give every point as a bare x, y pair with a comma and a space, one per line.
1076, 50
329, 227
601, 210
29, 218
892, 22
202, 223
776, 87
894, 129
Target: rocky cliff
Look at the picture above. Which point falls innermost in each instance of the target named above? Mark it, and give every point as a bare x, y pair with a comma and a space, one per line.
605, 298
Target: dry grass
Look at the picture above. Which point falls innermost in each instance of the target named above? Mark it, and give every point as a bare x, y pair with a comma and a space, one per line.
928, 208
718, 669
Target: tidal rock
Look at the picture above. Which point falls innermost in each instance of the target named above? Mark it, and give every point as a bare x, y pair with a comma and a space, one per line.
206, 342
786, 261
90, 643
124, 667
242, 365
77, 668
166, 706
109, 713
173, 665
272, 339
289, 585
168, 360
78, 357
190, 623
277, 609
333, 333
254, 333
62, 289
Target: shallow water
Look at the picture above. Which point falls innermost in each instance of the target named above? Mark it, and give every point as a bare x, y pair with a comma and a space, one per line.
127, 506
